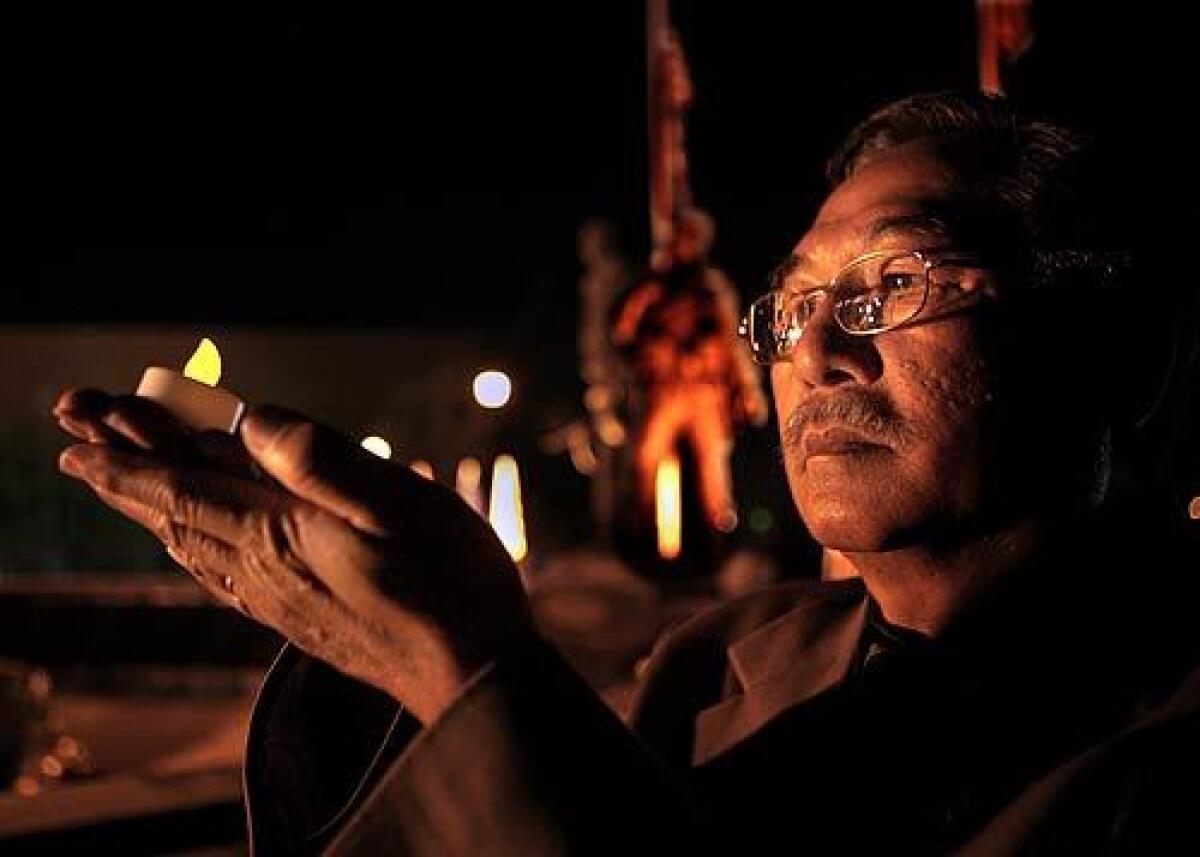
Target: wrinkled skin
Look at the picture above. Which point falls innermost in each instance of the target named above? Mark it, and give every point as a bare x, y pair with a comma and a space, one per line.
932, 379
956, 481
384, 575
393, 580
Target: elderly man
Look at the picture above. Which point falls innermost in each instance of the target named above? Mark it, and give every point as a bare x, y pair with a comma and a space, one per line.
1011, 668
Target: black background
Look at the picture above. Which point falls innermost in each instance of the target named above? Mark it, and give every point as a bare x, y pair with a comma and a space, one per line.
424, 165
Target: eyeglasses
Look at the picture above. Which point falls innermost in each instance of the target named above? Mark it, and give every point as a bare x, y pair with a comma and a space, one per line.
874, 293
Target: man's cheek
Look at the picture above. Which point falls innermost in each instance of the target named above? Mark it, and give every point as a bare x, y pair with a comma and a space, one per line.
946, 390
783, 390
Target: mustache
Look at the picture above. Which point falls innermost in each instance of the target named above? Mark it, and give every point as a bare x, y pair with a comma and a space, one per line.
869, 413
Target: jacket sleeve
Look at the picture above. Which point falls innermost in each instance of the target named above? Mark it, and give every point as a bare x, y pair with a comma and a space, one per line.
527, 761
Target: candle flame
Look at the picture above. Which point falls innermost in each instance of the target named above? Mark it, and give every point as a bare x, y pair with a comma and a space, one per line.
204, 366
504, 511
668, 508
468, 478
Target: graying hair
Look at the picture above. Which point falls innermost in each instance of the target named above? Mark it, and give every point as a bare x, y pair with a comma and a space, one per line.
1030, 178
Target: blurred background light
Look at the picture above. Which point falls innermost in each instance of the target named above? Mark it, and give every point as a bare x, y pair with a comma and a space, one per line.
492, 389
377, 445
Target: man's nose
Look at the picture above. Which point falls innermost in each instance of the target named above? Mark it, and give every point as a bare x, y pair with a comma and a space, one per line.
825, 355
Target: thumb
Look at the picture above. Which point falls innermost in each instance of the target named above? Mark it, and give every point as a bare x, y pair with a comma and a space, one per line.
320, 465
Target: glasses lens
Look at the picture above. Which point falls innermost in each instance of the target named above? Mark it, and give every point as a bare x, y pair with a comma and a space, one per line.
770, 328
879, 293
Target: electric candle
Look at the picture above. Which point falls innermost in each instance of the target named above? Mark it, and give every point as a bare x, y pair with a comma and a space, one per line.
194, 396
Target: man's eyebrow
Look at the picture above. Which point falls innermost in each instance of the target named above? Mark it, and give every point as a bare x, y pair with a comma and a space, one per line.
927, 225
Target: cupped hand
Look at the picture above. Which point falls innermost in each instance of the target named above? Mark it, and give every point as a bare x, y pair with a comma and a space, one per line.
385, 575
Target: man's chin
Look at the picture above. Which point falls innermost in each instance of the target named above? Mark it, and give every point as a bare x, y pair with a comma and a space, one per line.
848, 523
850, 507
847, 538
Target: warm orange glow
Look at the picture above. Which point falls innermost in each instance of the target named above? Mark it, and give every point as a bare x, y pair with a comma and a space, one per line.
504, 511
668, 508
835, 565
468, 482
204, 365
422, 468
1194, 509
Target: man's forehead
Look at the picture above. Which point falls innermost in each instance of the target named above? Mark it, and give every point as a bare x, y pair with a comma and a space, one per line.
900, 223
899, 197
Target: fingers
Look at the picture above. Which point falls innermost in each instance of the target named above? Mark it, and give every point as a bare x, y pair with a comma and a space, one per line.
80, 413
205, 558
270, 532
81, 401
150, 426
209, 561
245, 580
90, 431
227, 453
249, 544
325, 468
98, 417
162, 497
292, 604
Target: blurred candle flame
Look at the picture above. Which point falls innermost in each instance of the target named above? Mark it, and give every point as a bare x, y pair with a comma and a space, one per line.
468, 479
668, 508
504, 510
376, 445
421, 467
204, 366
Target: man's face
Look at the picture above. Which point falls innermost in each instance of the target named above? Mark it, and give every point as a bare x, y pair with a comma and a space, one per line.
885, 438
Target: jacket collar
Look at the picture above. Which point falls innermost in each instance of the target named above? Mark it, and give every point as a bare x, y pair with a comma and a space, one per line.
785, 662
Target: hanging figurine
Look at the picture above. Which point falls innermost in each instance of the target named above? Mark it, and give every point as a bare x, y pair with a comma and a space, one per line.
677, 327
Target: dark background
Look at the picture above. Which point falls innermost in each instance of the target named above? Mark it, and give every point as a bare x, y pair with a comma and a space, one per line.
379, 167
366, 205
424, 168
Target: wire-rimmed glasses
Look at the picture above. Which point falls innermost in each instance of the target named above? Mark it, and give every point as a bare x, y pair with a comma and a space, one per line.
876, 292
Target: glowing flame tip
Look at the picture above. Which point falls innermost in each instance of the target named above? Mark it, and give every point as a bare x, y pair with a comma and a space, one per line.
204, 366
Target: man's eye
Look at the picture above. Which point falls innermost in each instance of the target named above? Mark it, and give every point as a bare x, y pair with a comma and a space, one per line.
900, 282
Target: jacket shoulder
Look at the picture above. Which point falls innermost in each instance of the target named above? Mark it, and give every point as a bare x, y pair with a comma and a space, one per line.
688, 669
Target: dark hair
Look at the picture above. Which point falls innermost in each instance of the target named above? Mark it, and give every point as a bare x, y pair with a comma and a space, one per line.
1056, 195
1029, 183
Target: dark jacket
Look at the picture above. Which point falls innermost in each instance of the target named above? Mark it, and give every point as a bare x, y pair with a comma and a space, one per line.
1066, 718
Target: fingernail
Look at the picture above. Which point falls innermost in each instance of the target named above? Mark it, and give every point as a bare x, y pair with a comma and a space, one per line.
80, 429
67, 424
69, 463
262, 423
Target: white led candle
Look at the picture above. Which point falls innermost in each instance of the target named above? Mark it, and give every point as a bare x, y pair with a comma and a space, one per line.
194, 396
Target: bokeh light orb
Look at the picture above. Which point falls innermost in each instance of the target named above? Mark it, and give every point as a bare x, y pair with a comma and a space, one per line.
377, 445
492, 389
